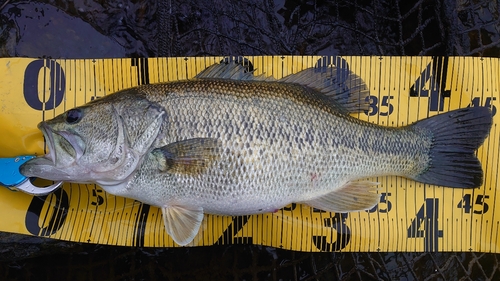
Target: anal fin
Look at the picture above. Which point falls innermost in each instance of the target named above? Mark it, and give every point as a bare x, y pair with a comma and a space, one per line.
352, 197
182, 223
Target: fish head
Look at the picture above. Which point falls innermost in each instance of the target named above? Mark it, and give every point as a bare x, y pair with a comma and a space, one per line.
101, 142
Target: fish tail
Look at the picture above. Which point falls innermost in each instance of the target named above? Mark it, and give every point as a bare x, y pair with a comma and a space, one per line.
456, 135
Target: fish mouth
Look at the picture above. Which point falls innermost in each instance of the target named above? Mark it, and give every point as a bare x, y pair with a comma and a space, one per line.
60, 163
49, 141
64, 148
52, 165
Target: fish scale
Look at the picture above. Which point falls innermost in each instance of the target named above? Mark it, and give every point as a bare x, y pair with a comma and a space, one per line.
239, 145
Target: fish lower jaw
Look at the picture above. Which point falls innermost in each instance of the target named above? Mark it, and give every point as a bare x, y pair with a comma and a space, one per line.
118, 188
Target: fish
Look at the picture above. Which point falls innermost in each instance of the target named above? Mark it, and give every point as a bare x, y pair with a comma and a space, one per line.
229, 142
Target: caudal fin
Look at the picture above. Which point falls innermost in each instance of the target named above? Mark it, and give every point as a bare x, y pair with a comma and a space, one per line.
456, 136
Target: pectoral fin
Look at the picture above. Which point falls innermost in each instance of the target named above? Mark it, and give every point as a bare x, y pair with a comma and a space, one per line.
182, 223
354, 196
190, 156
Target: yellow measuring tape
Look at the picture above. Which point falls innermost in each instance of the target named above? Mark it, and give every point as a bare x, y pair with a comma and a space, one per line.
410, 216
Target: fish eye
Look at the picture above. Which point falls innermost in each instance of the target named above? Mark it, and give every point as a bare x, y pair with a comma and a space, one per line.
74, 116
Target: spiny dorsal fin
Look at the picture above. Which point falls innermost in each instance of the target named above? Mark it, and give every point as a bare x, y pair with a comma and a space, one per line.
231, 70
344, 88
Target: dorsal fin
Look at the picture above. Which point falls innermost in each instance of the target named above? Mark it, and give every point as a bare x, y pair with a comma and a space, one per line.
231, 70
344, 88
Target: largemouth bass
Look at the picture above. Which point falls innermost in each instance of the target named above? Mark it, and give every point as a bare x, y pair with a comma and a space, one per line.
230, 143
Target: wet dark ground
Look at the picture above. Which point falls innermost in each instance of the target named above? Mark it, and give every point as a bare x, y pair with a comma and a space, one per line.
28, 258
92, 29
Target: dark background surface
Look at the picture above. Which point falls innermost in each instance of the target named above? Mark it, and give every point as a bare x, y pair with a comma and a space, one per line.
95, 29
